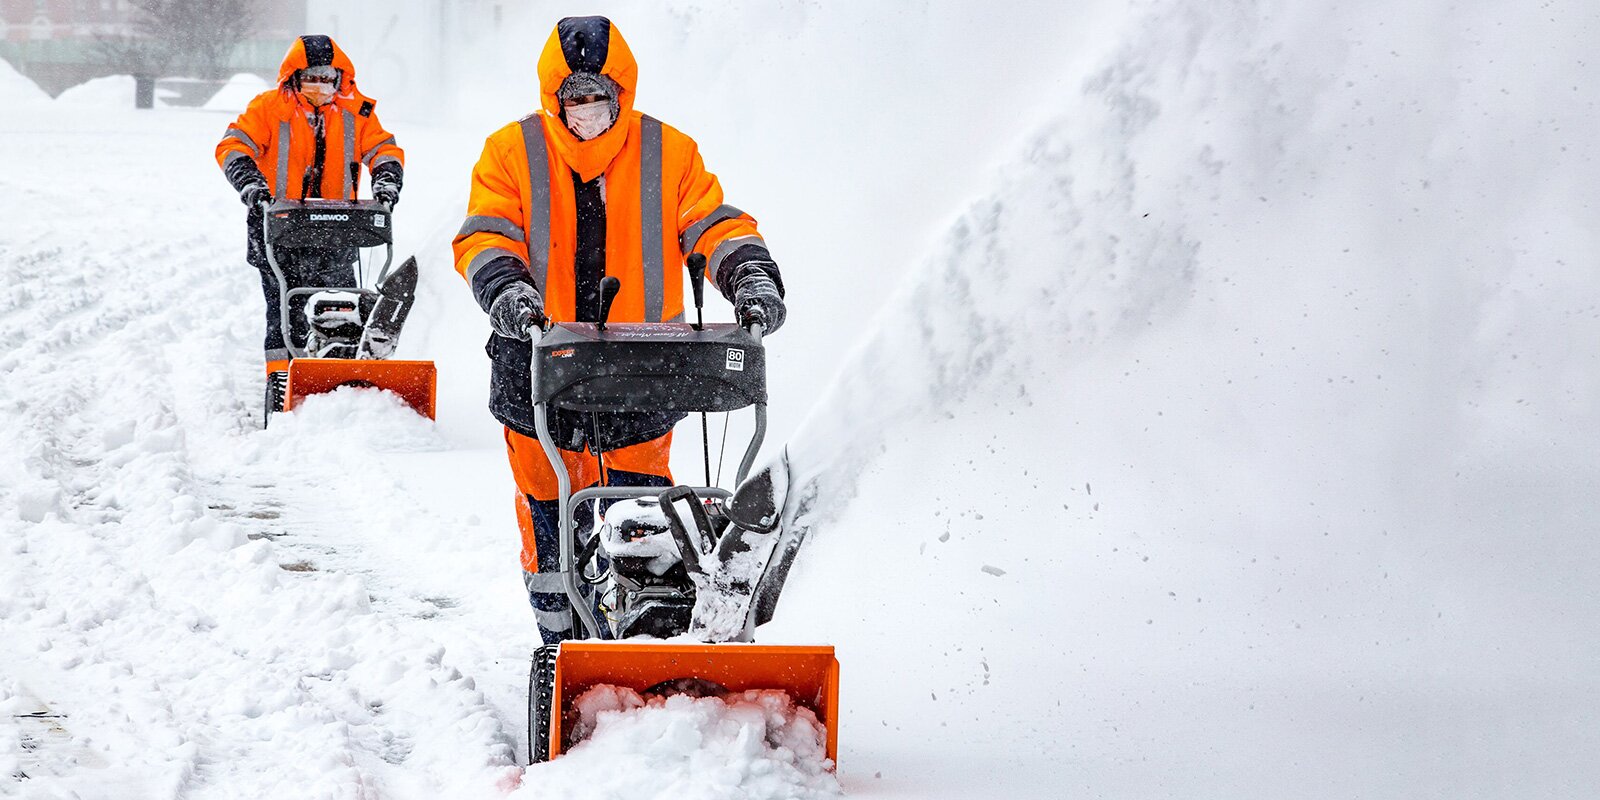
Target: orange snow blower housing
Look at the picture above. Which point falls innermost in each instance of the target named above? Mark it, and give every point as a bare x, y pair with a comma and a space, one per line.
296, 156
808, 674
415, 382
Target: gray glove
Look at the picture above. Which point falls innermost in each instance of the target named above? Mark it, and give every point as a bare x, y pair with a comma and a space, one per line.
756, 299
386, 191
515, 310
255, 192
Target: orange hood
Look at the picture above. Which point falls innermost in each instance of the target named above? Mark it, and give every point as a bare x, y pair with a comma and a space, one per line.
318, 50
594, 45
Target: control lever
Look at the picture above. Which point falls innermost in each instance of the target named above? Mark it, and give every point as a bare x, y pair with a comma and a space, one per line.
694, 547
697, 280
609, 286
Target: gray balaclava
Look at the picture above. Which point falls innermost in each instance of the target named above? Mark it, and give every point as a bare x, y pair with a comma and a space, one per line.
579, 84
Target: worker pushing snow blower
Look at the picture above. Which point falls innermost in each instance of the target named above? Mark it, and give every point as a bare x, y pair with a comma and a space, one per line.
295, 156
580, 220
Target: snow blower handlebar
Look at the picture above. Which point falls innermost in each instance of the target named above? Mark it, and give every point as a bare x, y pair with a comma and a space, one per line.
328, 224
627, 367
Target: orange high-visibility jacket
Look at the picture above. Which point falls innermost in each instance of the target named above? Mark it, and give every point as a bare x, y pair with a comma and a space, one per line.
661, 203
276, 130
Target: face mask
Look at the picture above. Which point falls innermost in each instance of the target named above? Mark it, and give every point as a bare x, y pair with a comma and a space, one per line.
590, 119
317, 94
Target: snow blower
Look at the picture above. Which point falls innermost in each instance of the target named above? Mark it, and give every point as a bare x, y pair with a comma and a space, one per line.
350, 330
668, 586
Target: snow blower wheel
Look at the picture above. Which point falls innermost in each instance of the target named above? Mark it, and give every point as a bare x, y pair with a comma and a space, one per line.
277, 389
541, 697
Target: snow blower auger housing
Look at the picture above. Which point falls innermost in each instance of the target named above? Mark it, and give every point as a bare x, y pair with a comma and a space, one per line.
351, 330
660, 564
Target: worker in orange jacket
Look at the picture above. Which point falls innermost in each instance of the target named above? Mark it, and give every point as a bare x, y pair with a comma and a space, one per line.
308, 138
583, 188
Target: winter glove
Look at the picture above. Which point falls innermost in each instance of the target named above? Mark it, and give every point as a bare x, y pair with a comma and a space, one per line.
254, 192
515, 310
756, 299
387, 193
246, 179
386, 183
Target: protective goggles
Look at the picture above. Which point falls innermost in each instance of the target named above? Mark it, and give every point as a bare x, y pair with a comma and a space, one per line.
323, 75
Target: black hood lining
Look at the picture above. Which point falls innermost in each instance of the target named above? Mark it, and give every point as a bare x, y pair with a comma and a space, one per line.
585, 42
319, 50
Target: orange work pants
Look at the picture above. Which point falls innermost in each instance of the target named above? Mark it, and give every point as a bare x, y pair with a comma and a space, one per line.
643, 464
